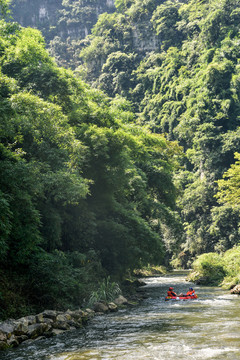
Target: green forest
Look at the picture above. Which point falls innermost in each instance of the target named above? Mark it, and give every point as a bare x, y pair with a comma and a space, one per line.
120, 152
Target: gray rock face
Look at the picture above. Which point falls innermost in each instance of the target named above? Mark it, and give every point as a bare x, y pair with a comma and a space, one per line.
44, 14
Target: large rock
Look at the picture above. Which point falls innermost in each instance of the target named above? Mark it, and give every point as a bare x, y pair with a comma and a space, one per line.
50, 314
112, 307
21, 338
31, 319
3, 337
121, 300
28, 320
48, 321
57, 331
7, 328
40, 318
63, 317
36, 330
62, 325
236, 290
21, 328
12, 341
100, 307
90, 312
78, 314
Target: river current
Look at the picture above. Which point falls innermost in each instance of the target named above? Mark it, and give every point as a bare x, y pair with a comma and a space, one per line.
206, 328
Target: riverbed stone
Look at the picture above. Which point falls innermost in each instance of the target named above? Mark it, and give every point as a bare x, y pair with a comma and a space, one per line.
100, 307
57, 331
7, 328
21, 338
51, 314
20, 328
40, 318
36, 330
78, 314
112, 307
63, 317
236, 290
31, 319
62, 325
90, 312
121, 300
12, 341
48, 321
3, 337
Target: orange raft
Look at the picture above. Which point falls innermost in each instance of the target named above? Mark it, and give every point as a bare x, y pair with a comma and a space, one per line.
181, 297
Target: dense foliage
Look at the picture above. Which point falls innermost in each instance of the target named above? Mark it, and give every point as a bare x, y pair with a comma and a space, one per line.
216, 269
187, 88
84, 191
99, 175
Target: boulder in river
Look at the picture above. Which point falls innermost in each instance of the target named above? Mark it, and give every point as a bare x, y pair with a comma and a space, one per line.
100, 307
236, 290
121, 300
112, 307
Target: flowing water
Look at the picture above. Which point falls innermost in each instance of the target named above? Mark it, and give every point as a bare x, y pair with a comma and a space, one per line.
207, 328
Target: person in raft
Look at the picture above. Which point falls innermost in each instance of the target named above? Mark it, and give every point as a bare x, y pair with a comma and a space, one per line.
171, 293
191, 292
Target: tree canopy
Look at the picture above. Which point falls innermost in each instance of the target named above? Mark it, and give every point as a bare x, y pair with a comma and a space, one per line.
85, 191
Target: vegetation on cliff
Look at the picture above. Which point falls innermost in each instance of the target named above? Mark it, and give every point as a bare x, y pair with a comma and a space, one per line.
101, 189
85, 192
187, 88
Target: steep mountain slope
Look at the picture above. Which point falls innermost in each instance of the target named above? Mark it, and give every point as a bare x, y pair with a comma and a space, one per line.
63, 23
177, 62
187, 88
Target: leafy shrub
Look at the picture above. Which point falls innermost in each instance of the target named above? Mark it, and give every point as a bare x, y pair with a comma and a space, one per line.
231, 260
107, 291
62, 280
210, 268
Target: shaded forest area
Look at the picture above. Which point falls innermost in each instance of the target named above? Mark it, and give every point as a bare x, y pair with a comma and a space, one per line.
129, 158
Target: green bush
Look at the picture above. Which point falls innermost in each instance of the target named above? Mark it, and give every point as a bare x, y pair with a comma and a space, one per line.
63, 280
107, 291
231, 260
210, 268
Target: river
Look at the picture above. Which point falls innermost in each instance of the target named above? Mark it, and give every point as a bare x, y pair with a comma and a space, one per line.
207, 328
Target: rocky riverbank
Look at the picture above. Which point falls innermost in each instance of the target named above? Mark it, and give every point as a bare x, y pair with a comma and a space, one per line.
51, 322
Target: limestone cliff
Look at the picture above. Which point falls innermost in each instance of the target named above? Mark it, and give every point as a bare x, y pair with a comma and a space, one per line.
64, 23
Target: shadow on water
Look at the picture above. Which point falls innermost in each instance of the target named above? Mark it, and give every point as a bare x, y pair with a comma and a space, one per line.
202, 329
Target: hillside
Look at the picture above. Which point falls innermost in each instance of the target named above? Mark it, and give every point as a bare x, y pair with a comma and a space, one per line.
86, 193
129, 158
186, 88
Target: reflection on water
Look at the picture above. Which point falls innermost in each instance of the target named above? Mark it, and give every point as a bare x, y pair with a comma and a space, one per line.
206, 328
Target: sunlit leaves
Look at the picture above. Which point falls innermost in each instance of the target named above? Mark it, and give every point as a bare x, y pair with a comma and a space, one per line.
229, 188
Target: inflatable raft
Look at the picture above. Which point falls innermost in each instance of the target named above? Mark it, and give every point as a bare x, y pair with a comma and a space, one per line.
181, 297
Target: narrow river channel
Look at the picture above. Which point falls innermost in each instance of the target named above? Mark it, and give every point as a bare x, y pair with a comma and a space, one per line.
207, 328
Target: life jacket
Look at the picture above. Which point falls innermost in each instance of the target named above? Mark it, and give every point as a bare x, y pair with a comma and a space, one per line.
191, 293
171, 293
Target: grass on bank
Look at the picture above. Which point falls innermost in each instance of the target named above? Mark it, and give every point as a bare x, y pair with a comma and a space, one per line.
150, 270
